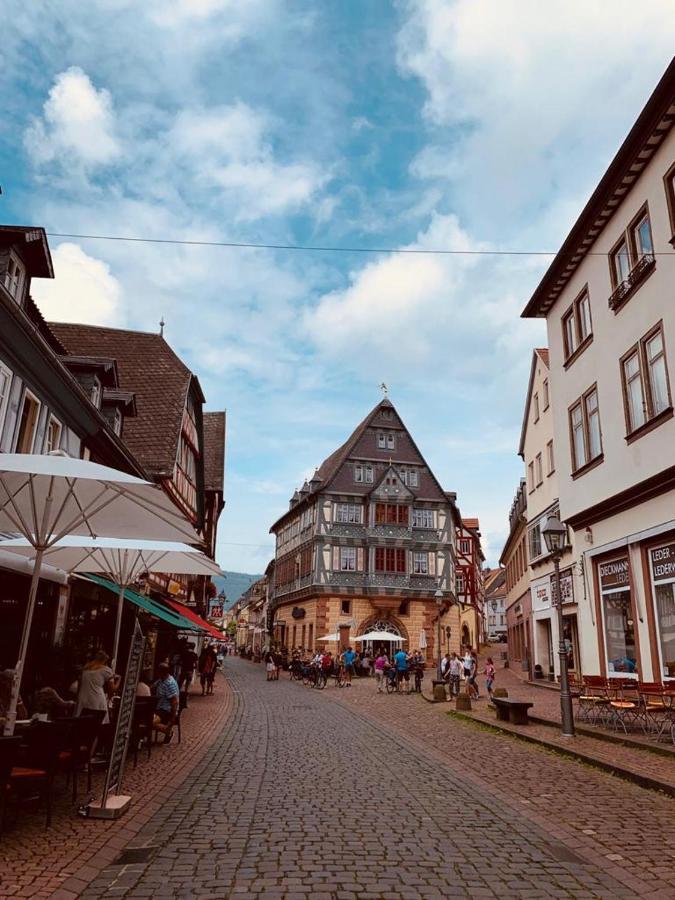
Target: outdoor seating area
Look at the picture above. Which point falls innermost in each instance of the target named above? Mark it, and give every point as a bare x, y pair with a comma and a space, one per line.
627, 705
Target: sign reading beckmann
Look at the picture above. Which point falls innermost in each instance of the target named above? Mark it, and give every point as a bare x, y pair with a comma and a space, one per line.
613, 574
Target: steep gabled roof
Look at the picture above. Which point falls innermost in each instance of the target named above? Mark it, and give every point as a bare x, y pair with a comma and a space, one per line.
160, 380
542, 354
214, 451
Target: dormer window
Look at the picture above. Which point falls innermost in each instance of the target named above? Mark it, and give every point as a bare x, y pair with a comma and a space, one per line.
15, 275
117, 422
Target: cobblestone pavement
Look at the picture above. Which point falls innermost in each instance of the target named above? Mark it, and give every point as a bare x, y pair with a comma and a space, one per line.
346, 794
61, 861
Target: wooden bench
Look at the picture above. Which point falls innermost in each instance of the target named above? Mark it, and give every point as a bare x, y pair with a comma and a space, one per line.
514, 711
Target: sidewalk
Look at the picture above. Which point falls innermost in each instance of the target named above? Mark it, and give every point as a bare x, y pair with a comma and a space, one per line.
61, 861
634, 757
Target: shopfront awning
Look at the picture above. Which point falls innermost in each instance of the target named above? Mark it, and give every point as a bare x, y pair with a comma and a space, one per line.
147, 604
185, 611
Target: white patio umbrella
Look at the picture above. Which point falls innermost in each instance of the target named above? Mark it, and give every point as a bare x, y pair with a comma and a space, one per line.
329, 637
380, 636
123, 561
45, 498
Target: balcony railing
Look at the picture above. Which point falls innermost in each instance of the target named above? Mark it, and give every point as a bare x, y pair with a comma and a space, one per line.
636, 276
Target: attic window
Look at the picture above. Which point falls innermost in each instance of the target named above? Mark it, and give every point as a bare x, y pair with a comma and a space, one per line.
14, 277
381, 441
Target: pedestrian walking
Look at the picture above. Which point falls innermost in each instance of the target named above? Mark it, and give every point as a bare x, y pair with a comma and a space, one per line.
402, 664
454, 672
207, 665
348, 658
270, 666
490, 676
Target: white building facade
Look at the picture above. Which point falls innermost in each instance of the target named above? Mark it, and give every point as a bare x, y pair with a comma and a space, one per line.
608, 302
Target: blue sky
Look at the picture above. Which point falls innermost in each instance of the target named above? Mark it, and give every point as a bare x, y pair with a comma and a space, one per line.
422, 124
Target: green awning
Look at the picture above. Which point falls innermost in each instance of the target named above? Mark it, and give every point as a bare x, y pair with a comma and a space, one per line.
147, 604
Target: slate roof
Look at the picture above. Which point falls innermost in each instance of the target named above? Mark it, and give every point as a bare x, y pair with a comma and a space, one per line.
160, 380
214, 451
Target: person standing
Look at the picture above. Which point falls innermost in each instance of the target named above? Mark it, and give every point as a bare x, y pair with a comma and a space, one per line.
401, 663
381, 664
348, 658
270, 666
208, 663
97, 684
455, 671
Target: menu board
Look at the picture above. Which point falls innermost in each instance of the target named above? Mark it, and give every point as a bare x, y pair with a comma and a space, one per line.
125, 714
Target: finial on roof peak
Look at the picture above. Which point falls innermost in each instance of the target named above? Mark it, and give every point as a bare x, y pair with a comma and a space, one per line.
162, 323
385, 390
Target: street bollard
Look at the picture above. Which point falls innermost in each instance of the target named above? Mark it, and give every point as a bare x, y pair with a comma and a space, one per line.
500, 692
463, 702
439, 691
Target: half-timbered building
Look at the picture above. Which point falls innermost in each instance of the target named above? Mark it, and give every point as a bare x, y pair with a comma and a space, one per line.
367, 544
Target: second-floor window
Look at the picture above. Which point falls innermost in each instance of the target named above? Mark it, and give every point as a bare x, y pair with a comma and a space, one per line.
423, 518
550, 459
53, 440
390, 559
459, 583
363, 474
631, 259
620, 259
645, 380
391, 514
348, 559
585, 433
577, 327
420, 563
30, 410
465, 546
348, 512
14, 276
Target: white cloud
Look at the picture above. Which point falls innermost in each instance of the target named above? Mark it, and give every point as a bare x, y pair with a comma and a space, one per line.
83, 289
526, 99
77, 126
229, 148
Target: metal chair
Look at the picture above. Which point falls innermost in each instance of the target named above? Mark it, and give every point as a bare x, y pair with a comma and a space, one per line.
593, 699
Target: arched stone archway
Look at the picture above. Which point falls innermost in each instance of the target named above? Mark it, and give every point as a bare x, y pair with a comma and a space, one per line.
383, 622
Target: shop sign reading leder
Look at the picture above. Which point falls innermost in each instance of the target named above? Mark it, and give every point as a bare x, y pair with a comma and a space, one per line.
663, 563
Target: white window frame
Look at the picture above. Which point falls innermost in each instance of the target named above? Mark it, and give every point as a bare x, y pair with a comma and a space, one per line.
358, 474
420, 563
381, 441
4, 398
52, 420
413, 478
348, 513
15, 285
391, 442
423, 518
28, 394
348, 559
368, 474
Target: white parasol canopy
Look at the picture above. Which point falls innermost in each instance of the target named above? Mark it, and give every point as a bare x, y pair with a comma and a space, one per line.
329, 637
123, 561
380, 636
46, 497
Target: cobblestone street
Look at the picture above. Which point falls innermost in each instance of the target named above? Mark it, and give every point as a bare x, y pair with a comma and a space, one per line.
347, 794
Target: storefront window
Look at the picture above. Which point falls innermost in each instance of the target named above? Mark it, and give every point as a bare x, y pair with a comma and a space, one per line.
663, 584
617, 615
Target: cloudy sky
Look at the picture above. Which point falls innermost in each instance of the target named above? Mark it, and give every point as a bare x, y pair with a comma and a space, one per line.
431, 124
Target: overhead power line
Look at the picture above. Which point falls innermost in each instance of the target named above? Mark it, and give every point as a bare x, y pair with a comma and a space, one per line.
319, 248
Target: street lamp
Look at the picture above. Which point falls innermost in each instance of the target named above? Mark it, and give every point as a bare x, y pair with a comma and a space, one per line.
555, 533
439, 606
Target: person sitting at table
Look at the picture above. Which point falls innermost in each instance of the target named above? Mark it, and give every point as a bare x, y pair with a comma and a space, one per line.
97, 684
166, 694
143, 686
6, 679
50, 703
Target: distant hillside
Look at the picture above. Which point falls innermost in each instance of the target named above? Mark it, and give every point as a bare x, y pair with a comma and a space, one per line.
234, 584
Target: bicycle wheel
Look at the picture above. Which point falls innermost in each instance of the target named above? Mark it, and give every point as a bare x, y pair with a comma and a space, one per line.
340, 678
320, 682
391, 686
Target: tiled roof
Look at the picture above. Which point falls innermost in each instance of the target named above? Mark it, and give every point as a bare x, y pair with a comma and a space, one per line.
471, 523
214, 451
159, 379
543, 352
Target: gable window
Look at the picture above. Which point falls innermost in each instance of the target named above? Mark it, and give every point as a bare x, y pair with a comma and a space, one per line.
358, 473
586, 439
14, 276
550, 461
390, 559
391, 442
535, 401
645, 380
577, 328
538, 467
368, 474
420, 563
53, 440
347, 559
391, 514
545, 393
5, 384
30, 410
381, 441
413, 480
631, 259
465, 546
423, 518
348, 512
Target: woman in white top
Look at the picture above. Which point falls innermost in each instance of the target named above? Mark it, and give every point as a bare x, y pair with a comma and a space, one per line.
97, 682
